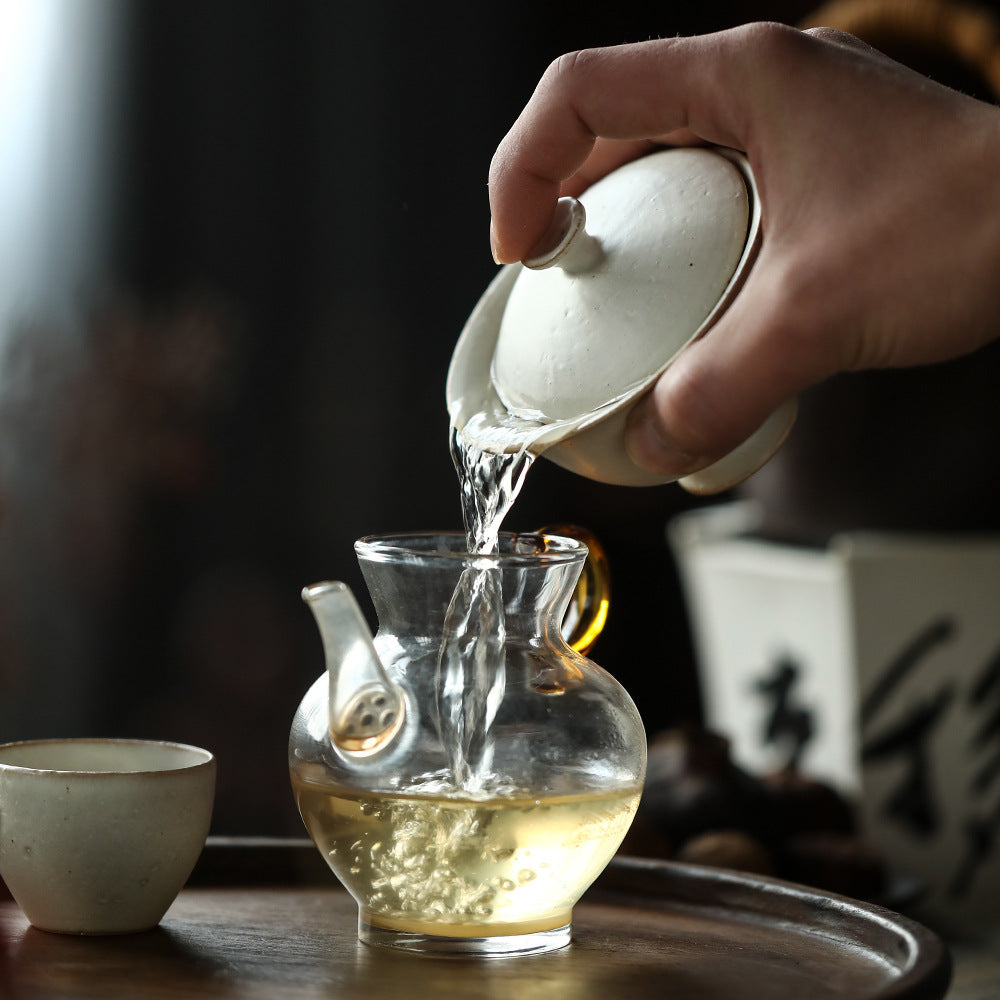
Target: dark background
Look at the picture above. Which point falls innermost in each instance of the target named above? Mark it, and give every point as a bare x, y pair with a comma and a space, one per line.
296, 232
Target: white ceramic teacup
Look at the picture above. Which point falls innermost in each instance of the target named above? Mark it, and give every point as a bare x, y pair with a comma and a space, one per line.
97, 836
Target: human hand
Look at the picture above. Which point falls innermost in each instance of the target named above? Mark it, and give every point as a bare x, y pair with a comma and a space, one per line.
880, 196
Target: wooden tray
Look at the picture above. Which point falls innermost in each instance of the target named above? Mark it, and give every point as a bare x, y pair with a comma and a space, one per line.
265, 928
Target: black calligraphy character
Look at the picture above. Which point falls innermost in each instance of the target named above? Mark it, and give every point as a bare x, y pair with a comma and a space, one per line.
785, 720
912, 803
987, 736
982, 831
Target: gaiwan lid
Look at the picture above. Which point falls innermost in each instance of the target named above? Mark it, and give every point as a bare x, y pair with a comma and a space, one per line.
630, 275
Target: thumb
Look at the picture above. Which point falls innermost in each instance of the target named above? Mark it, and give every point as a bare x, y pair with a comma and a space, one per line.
722, 388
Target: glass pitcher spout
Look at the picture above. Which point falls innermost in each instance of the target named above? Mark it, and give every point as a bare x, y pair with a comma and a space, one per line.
366, 709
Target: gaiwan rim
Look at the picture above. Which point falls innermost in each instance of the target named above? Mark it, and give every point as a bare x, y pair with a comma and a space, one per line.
426, 545
205, 758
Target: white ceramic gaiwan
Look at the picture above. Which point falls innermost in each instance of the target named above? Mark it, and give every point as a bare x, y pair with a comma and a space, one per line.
570, 339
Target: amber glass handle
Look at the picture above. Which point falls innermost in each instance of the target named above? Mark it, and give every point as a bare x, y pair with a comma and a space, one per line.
588, 611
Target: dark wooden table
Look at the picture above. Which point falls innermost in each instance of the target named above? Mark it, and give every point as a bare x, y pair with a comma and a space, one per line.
256, 922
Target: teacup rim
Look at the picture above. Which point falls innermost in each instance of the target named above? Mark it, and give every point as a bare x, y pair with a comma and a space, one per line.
208, 758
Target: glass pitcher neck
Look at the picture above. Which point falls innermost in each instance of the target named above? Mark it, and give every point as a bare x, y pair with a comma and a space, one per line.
412, 578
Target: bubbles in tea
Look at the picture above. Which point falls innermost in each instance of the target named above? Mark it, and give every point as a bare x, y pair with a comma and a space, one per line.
460, 866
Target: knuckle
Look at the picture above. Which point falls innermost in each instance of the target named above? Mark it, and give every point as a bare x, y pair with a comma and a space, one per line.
760, 56
774, 46
770, 38
567, 70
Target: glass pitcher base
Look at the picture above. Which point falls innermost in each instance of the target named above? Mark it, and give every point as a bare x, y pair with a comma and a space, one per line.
493, 946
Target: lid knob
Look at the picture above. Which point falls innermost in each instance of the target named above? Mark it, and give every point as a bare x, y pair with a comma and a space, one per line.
567, 243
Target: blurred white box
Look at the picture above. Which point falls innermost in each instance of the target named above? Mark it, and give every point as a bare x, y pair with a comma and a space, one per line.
874, 662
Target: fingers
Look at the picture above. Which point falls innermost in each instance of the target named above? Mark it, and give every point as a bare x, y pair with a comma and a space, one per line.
720, 88
628, 92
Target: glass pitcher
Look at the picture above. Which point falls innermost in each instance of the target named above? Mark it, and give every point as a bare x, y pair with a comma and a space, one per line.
468, 773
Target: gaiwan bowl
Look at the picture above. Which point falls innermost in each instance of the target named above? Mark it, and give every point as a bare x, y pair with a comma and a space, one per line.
99, 836
566, 342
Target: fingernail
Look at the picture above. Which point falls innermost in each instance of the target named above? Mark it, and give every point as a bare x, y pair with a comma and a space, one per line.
648, 449
493, 244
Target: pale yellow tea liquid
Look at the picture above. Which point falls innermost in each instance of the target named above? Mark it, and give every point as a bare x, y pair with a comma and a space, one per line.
464, 867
